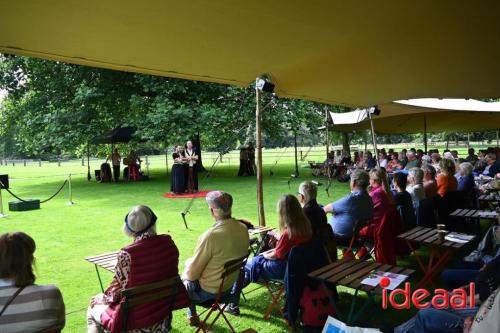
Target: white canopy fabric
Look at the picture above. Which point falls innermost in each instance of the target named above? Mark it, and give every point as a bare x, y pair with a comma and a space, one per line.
423, 115
356, 53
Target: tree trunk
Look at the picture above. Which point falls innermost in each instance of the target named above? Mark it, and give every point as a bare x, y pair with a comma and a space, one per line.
197, 144
346, 147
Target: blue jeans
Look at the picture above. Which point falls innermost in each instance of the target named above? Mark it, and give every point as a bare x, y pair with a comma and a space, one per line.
196, 295
270, 270
431, 320
463, 274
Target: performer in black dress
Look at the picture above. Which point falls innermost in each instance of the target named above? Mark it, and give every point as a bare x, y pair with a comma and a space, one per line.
251, 159
178, 180
191, 156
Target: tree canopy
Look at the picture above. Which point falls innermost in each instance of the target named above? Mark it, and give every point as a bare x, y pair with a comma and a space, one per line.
53, 107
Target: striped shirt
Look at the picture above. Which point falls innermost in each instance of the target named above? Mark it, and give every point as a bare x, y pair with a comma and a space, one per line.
34, 309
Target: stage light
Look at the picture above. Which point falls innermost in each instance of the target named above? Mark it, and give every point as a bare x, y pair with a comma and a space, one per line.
375, 110
264, 85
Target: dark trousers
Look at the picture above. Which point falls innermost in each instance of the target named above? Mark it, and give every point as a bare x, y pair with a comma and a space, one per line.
116, 172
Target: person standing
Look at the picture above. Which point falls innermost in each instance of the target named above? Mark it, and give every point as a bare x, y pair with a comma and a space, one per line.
191, 156
178, 181
251, 159
115, 159
243, 171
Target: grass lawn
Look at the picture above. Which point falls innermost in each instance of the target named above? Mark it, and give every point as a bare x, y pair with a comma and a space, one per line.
66, 234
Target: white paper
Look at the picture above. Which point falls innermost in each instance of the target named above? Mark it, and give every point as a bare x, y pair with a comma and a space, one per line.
333, 325
374, 279
458, 238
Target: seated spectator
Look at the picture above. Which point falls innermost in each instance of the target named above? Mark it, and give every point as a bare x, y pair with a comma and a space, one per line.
492, 166
436, 159
382, 201
466, 184
402, 160
338, 157
26, 307
487, 280
226, 240
471, 156
480, 164
413, 162
316, 215
403, 201
354, 207
446, 181
150, 258
393, 163
426, 160
382, 160
370, 161
487, 249
416, 185
430, 185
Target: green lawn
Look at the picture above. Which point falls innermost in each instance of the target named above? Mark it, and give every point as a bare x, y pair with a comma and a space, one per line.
66, 234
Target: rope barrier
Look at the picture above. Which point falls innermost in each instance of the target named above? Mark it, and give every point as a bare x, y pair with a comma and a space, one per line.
52, 176
42, 201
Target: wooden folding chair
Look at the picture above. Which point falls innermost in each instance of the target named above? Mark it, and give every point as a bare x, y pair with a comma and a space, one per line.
224, 297
276, 290
165, 289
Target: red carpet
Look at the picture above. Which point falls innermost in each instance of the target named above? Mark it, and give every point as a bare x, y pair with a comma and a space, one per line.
200, 194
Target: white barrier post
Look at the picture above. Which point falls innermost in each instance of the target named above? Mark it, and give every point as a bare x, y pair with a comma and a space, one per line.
2, 215
70, 202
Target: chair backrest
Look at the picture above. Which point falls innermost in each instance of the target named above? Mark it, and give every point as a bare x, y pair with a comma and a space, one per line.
147, 293
230, 267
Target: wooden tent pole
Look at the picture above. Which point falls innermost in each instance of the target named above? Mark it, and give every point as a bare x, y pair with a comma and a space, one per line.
425, 132
258, 143
327, 132
296, 156
374, 138
89, 177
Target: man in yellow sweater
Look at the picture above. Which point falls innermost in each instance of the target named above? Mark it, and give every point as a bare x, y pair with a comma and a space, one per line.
226, 240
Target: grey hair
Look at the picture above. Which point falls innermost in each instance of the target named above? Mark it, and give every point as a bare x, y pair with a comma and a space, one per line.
309, 190
466, 168
221, 203
360, 178
491, 157
138, 219
417, 174
428, 168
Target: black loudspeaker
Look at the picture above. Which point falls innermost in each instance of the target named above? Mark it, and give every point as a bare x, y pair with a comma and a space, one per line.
5, 182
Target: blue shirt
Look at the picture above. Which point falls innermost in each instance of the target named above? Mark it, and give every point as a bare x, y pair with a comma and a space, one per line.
354, 207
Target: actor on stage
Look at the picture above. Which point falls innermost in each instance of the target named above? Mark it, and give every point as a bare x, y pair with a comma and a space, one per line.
191, 156
178, 181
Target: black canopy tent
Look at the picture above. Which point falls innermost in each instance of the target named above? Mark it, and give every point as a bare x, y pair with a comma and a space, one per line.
117, 135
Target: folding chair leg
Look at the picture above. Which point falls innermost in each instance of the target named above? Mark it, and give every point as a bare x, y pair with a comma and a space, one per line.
275, 302
202, 324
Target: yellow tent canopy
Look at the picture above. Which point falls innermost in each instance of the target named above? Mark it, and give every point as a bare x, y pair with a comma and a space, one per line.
356, 53
423, 115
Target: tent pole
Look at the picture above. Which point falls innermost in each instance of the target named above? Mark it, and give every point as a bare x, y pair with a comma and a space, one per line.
497, 139
89, 177
296, 158
425, 133
258, 143
327, 133
374, 138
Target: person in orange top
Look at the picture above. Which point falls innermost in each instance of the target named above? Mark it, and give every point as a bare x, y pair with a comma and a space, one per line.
446, 181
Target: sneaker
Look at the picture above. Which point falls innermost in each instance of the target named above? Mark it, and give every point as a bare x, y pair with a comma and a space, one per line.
193, 321
232, 309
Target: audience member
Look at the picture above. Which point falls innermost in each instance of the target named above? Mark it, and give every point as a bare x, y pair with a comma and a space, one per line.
354, 207
492, 166
416, 185
226, 240
446, 181
370, 161
150, 258
403, 200
436, 159
466, 185
393, 163
308, 192
295, 229
430, 185
402, 160
472, 158
413, 162
25, 306
382, 160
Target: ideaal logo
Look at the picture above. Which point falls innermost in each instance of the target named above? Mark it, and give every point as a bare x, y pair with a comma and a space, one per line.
441, 299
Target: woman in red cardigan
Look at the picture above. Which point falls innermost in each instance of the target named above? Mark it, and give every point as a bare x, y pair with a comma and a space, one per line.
150, 258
